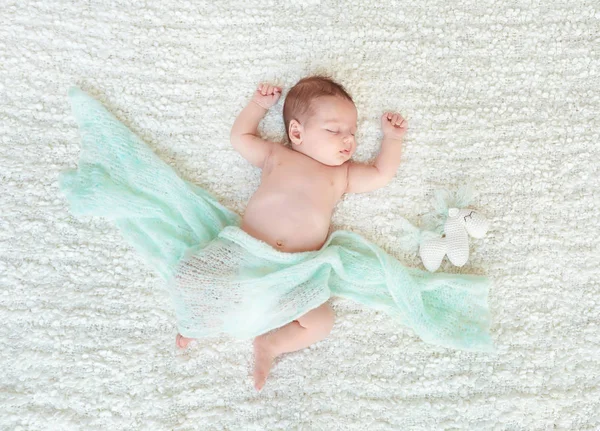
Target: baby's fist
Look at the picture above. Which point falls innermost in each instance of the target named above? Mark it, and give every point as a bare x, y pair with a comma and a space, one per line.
393, 125
266, 95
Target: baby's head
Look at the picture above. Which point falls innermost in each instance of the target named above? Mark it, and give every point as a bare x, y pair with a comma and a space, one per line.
320, 120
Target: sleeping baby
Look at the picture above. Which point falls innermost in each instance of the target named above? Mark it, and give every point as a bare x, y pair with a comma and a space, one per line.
268, 275
301, 184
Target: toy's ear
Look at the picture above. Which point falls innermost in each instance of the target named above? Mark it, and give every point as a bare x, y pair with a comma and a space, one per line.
475, 224
432, 253
457, 240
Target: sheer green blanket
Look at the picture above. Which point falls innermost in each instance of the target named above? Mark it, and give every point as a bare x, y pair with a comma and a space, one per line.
224, 281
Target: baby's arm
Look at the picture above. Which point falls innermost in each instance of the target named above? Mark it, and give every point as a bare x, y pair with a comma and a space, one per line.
243, 134
365, 178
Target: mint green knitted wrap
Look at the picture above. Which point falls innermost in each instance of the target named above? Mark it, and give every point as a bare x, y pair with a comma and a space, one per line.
224, 281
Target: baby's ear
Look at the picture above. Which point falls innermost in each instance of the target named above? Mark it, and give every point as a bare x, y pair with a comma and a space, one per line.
295, 132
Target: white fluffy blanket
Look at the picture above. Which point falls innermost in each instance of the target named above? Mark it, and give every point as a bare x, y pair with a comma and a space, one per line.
502, 94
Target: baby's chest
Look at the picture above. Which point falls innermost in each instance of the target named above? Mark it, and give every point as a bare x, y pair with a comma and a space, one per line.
308, 176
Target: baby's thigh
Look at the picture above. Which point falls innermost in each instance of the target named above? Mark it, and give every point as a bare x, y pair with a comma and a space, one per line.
321, 316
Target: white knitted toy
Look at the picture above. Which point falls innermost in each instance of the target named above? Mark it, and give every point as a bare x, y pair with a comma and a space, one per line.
446, 229
455, 241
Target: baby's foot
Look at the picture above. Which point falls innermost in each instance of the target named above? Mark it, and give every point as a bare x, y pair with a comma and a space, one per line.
182, 341
263, 360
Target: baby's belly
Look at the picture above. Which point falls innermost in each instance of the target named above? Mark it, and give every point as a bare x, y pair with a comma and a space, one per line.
287, 224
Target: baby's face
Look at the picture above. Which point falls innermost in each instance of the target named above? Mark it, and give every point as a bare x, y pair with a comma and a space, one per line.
328, 136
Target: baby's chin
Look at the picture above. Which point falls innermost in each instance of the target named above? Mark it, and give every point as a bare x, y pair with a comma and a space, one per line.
333, 164
333, 161
337, 161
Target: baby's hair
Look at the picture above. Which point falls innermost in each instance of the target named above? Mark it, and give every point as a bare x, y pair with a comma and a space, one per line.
298, 102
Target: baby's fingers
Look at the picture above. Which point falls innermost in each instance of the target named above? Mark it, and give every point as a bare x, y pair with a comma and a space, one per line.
266, 89
396, 119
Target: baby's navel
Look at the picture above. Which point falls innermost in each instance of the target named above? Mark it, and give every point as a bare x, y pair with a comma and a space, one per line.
279, 243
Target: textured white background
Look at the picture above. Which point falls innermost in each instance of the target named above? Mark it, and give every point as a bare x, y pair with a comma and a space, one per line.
502, 94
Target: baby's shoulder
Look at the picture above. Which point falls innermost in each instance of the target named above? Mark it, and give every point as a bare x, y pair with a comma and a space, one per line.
343, 169
276, 156
339, 176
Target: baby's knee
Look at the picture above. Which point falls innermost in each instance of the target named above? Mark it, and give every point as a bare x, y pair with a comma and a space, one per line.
326, 318
329, 317
322, 317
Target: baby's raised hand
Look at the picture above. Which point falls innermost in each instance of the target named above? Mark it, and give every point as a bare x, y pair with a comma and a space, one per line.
266, 95
393, 125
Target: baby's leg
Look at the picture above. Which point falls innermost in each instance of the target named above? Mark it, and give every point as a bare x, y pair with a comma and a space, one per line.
308, 329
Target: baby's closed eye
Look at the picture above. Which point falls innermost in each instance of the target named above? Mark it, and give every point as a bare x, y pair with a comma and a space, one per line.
336, 131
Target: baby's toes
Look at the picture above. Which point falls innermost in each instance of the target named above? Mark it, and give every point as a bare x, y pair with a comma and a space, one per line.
182, 342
